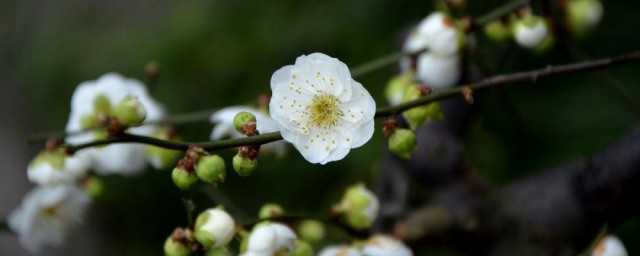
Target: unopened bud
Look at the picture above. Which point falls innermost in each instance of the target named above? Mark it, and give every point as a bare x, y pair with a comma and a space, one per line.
418, 115
162, 158
130, 111
402, 142
398, 85
244, 121
101, 104
497, 30
303, 249
175, 246
434, 111
270, 210
530, 31
311, 230
214, 228
94, 186
211, 169
583, 15
243, 165
183, 178
359, 207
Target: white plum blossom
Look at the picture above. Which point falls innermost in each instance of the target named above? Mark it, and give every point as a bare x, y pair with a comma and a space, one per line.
47, 215
92, 103
320, 109
271, 239
439, 66
52, 168
340, 250
214, 228
382, 245
531, 33
610, 245
223, 120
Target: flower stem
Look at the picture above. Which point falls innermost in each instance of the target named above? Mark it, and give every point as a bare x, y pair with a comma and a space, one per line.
492, 82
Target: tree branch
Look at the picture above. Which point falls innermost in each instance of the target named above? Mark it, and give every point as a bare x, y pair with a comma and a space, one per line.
508, 79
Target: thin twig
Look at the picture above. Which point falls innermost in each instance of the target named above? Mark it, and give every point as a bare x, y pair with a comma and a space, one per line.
531, 76
499, 12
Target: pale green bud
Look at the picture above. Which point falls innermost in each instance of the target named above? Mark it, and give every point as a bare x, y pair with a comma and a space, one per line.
398, 85
270, 210
211, 169
89, 121
182, 178
402, 142
359, 207
530, 31
243, 165
418, 115
214, 228
497, 31
130, 111
583, 15
311, 230
434, 111
54, 158
94, 187
175, 247
162, 158
241, 119
101, 104
303, 249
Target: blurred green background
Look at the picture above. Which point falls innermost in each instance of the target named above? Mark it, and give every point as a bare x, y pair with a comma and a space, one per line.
213, 54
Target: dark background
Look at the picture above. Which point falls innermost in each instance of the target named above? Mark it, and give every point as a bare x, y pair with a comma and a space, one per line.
213, 54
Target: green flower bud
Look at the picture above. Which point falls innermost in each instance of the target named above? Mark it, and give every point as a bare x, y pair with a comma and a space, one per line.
398, 85
130, 111
497, 31
359, 207
243, 165
214, 228
270, 210
175, 247
211, 169
583, 15
418, 115
94, 187
311, 230
182, 178
101, 104
162, 158
241, 119
303, 249
402, 142
89, 121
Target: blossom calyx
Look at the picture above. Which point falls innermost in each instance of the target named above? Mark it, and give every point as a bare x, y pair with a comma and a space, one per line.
402, 142
214, 228
359, 207
211, 169
130, 111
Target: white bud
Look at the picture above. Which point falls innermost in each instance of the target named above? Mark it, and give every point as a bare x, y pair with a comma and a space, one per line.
359, 206
610, 245
438, 72
214, 228
381, 245
531, 31
271, 239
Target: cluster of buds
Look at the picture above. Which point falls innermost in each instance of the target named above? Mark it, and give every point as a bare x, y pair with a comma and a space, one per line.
198, 164
245, 162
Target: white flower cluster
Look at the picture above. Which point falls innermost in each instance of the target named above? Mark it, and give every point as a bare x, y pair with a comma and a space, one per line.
440, 66
377, 245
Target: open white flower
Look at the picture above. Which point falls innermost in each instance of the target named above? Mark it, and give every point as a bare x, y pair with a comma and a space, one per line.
223, 119
93, 102
320, 109
271, 239
610, 245
47, 214
381, 245
340, 250
52, 168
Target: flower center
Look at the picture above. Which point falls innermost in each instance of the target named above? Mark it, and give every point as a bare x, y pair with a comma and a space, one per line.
324, 111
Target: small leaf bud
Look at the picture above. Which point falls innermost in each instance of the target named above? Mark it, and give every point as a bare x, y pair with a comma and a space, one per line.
243, 122
311, 230
183, 178
211, 169
402, 142
214, 228
130, 111
243, 165
270, 210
